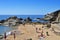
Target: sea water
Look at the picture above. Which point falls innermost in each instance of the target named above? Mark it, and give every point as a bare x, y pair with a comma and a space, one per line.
21, 16
4, 29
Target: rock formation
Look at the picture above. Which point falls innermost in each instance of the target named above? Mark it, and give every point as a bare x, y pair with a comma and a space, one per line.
11, 21
28, 20
53, 17
14, 20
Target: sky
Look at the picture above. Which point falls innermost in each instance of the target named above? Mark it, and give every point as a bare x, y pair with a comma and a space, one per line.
28, 7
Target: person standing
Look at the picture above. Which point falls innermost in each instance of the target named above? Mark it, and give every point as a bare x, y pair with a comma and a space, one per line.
14, 35
47, 33
5, 36
37, 30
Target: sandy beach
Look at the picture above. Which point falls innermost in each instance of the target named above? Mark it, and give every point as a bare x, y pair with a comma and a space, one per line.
29, 31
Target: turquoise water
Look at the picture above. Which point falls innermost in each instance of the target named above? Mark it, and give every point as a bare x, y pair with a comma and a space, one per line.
5, 29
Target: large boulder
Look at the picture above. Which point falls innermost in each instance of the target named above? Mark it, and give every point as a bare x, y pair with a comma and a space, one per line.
53, 17
28, 20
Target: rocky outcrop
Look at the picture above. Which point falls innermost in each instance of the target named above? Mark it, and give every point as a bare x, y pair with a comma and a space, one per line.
54, 20
53, 17
56, 32
14, 20
28, 20
11, 21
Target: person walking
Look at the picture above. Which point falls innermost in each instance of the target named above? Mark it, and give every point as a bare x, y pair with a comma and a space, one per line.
5, 36
14, 35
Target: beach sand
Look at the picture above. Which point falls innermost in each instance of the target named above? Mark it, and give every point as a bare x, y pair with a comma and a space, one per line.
29, 31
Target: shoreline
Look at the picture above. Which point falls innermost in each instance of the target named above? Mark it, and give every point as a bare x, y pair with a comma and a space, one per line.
12, 29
